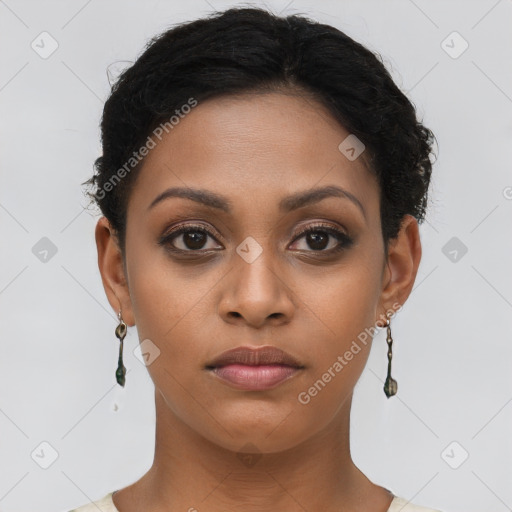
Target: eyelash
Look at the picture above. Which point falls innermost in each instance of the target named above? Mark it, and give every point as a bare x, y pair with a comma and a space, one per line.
344, 240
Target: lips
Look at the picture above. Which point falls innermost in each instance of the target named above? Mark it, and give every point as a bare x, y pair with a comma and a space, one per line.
262, 356
250, 369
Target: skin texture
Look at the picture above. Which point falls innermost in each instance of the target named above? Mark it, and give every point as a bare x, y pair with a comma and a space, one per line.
254, 149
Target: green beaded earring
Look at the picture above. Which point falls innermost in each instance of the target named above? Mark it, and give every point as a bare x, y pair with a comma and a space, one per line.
391, 386
121, 333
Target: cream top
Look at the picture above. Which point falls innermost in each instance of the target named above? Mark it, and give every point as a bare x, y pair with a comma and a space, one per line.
106, 504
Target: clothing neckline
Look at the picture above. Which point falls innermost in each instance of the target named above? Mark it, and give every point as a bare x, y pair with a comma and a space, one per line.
396, 502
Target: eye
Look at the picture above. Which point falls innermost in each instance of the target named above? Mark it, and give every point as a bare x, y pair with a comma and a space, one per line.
190, 238
317, 238
194, 238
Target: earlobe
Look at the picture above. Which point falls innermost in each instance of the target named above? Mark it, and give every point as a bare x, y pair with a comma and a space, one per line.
110, 264
404, 256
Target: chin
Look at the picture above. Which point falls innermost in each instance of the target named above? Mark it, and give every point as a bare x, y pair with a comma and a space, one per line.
274, 431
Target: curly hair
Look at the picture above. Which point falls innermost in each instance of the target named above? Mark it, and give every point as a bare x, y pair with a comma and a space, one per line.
244, 50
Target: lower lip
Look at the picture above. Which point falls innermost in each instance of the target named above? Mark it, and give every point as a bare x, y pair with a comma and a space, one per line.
255, 378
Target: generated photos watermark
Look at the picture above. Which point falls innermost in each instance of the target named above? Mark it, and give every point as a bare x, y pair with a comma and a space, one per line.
144, 150
304, 397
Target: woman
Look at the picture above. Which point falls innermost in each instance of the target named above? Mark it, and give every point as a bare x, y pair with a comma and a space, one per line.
262, 181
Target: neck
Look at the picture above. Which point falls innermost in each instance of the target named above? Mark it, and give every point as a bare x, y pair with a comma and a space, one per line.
189, 472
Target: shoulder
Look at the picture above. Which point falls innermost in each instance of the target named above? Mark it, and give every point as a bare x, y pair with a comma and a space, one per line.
104, 504
402, 505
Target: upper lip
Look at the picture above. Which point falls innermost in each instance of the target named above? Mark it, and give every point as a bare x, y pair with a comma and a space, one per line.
254, 356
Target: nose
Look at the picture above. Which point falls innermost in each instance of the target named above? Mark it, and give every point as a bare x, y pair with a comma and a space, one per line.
256, 293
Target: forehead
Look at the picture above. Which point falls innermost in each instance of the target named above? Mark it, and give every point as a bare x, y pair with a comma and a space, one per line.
256, 147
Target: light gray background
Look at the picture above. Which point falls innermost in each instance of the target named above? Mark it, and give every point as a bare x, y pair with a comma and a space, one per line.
452, 350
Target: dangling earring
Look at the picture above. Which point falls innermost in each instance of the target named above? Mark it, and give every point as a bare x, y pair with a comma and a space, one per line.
120, 333
391, 386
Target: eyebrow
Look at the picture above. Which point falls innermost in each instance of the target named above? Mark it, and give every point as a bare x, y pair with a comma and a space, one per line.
286, 205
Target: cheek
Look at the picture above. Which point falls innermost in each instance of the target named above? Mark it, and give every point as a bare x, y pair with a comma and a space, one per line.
343, 323
159, 294
172, 306
344, 300
341, 314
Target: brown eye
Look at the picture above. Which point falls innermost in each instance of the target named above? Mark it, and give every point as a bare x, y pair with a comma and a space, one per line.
187, 239
318, 238
194, 239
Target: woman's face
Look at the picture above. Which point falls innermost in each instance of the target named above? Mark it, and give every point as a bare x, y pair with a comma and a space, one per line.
242, 274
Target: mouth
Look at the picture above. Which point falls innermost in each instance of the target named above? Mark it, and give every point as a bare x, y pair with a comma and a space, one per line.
254, 369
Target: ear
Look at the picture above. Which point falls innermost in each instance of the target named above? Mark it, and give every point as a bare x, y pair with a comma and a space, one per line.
404, 255
112, 271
